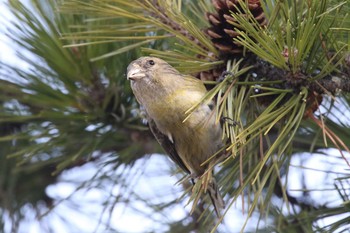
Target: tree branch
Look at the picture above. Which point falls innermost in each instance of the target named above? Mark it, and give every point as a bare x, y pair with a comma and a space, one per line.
329, 84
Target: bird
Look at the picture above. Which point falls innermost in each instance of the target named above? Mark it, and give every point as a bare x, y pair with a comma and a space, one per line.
190, 139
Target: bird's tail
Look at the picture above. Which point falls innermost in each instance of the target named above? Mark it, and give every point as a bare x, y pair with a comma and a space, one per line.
215, 196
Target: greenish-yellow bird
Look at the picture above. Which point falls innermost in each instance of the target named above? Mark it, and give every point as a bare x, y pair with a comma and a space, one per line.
167, 95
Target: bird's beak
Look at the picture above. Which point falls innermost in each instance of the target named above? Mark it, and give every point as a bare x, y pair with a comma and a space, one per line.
134, 72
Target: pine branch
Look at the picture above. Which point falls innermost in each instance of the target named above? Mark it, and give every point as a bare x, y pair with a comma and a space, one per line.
175, 25
328, 84
90, 110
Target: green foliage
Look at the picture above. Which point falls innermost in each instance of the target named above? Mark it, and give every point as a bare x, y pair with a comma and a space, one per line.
61, 112
143, 20
73, 104
295, 35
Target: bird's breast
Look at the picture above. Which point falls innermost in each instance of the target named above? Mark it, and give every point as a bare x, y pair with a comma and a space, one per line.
172, 107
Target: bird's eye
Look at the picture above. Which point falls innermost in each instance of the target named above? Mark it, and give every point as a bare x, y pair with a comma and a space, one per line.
151, 62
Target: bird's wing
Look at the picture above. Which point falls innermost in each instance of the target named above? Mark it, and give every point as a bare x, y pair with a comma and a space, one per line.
167, 145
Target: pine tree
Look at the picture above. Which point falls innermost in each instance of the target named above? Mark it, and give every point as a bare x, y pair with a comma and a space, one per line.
279, 72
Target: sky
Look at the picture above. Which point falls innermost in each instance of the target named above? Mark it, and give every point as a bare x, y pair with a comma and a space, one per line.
6, 51
85, 215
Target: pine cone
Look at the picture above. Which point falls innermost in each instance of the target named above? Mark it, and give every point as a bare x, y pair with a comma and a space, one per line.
211, 75
222, 31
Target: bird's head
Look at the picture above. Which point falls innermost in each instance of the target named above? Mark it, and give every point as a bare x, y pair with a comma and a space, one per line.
148, 67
